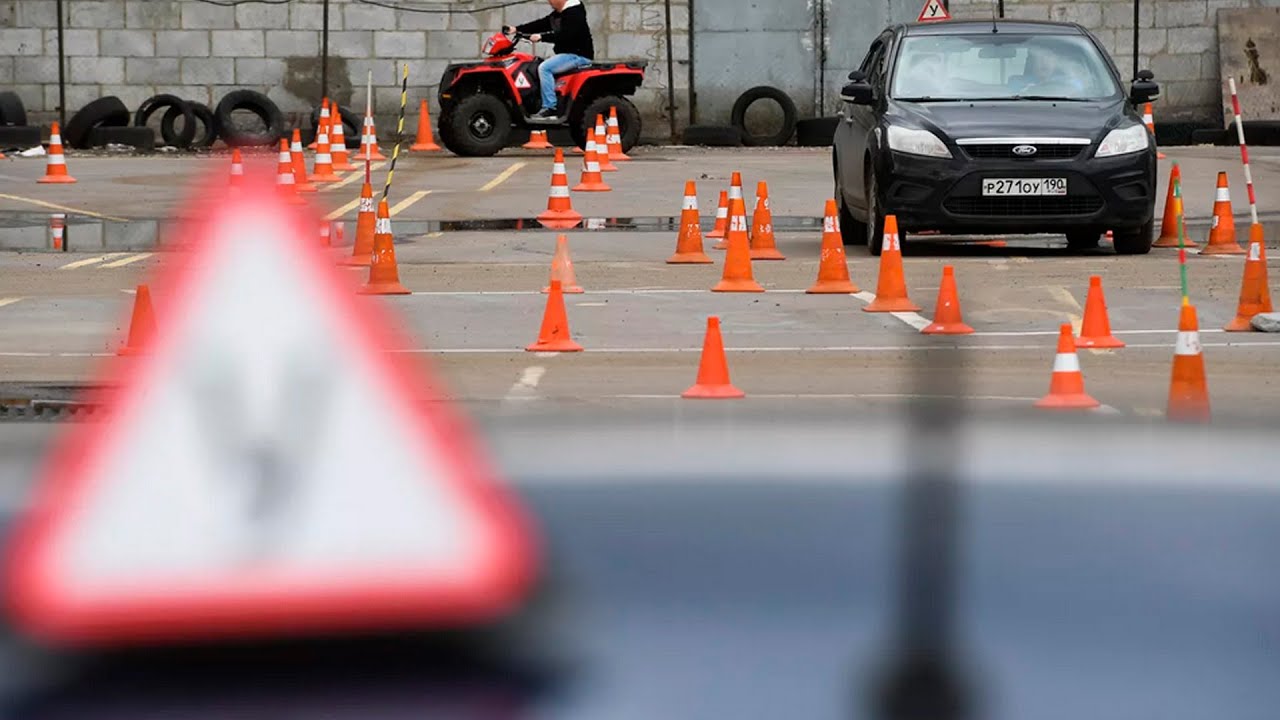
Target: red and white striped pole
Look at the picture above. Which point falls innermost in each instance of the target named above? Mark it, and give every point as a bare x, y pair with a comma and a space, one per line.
1244, 151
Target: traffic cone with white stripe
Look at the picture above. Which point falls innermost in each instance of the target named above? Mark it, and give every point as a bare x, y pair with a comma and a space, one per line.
891, 286
1095, 330
338, 146
537, 141
613, 139
602, 148
738, 276
1179, 223
285, 184
56, 168
1188, 388
592, 180
366, 225
1169, 223
713, 369
833, 269
722, 218
1066, 388
58, 226
1222, 234
735, 191
299, 161
369, 141
1150, 122
324, 161
1255, 292
426, 142
689, 242
322, 124
237, 169
384, 274
562, 268
560, 214
763, 245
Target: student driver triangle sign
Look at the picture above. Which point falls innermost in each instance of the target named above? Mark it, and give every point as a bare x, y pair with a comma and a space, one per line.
522, 82
267, 467
933, 11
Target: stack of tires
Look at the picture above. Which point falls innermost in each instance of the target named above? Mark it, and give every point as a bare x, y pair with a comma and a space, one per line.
736, 133
15, 134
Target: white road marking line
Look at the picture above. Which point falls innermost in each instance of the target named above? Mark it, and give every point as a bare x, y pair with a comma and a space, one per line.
355, 175
343, 210
9, 301
90, 261
591, 304
407, 202
914, 319
503, 176
128, 260
526, 387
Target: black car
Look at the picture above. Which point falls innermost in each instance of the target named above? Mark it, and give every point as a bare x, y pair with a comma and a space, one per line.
986, 127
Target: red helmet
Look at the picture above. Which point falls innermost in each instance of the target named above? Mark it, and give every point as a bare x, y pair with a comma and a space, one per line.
498, 45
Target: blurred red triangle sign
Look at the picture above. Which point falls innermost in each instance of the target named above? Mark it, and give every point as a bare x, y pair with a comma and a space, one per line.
268, 468
933, 11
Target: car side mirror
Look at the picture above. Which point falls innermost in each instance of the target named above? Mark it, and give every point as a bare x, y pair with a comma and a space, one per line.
1144, 89
858, 92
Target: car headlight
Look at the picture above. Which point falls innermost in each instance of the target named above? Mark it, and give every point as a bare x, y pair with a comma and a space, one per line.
916, 142
1123, 141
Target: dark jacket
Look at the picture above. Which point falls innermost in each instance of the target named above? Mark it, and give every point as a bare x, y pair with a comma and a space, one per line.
568, 29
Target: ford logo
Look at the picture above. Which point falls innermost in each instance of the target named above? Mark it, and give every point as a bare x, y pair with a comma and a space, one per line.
1024, 150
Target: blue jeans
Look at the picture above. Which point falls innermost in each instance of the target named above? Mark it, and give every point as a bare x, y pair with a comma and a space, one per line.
548, 70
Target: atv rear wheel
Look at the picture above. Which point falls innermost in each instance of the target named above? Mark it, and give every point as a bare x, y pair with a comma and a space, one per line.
478, 126
585, 119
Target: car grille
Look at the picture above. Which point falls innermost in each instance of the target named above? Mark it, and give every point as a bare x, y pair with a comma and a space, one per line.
1023, 206
1005, 152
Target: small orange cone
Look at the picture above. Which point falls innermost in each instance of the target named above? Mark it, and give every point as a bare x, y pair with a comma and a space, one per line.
689, 242
722, 218
1222, 235
737, 258
602, 148
1169, 224
366, 224
285, 183
56, 168
338, 147
425, 142
833, 269
537, 141
713, 370
554, 335
592, 180
322, 124
562, 268
763, 246
613, 137
299, 162
237, 169
142, 324
325, 232
1188, 389
891, 287
384, 274
324, 161
1255, 291
369, 141
560, 214
1066, 388
1150, 122
946, 314
1095, 330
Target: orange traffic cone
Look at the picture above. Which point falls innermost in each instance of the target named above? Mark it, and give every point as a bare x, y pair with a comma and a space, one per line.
1095, 330
1255, 291
891, 287
384, 274
602, 148
763, 246
299, 163
322, 124
338, 146
1066, 388
1150, 122
946, 314
325, 234
737, 258
592, 180
237, 169
1188, 389
713, 370
142, 324
613, 137
833, 269
1222, 235
285, 184
735, 191
425, 142
554, 335
722, 218
1169, 224
562, 268
56, 168
689, 242
560, 214
537, 141
324, 161
57, 227
366, 224
369, 141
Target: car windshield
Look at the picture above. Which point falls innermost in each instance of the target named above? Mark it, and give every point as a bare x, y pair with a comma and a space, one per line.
1001, 67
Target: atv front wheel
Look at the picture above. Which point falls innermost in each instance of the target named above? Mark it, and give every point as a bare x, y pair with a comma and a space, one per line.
478, 126
585, 119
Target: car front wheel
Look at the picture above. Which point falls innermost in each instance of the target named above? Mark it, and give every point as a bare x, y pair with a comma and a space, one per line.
852, 231
875, 217
1134, 241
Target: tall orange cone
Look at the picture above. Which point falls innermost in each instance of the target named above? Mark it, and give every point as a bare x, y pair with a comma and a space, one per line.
689, 242
613, 138
369, 141
237, 169
562, 268
602, 148
338, 146
1255, 291
560, 214
322, 124
384, 274
285, 183
946, 314
763, 246
1066, 388
722, 218
891, 287
324, 161
1150, 122
713, 370
142, 324
56, 168
1169, 223
554, 335
1095, 330
592, 180
737, 275
299, 162
735, 191
426, 141
366, 225
1222, 234
833, 269
1188, 389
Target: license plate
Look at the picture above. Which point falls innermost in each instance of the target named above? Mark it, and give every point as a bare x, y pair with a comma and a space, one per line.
1024, 186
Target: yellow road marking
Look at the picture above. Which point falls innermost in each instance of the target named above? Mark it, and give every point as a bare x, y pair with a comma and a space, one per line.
354, 176
63, 208
343, 210
503, 176
127, 261
9, 301
435, 235
1066, 298
405, 203
90, 261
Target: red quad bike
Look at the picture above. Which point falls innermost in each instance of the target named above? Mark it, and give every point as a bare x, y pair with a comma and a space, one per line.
481, 102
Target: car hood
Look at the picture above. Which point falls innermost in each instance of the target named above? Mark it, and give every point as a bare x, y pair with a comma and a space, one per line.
1015, 118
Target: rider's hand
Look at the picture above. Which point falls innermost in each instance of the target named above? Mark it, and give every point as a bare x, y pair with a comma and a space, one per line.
535, 38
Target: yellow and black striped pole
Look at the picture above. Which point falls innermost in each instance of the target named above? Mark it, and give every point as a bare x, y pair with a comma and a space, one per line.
404, 98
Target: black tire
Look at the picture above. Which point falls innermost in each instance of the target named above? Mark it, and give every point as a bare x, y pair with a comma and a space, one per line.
103, 112
140, 138
352, 125
816, 132
1086, 239
1134, 241
1209, 136
739, 116
19, 138
875, 218
852, 231
585, 119
201, 138
12, 112
179, 107
256, 103
712, 136
479, 126
209, 135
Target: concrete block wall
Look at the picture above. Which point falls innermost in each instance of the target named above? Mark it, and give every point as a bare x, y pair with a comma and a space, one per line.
201, 51
1178, 41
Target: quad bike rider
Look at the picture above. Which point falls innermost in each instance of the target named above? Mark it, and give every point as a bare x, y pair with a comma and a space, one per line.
482, 102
